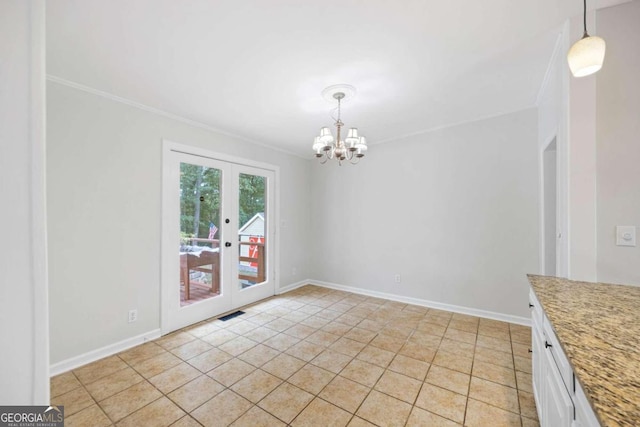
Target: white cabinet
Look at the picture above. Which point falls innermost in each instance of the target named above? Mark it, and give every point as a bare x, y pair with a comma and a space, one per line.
584, 415
537, 349
560, 401
557, 403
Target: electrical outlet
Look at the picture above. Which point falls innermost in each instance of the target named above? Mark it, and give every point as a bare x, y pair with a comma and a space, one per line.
133, 316
397, 278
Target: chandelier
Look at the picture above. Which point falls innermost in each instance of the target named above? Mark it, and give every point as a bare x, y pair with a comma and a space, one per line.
353, 147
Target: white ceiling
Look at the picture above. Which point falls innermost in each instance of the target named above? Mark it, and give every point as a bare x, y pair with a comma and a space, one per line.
255, 68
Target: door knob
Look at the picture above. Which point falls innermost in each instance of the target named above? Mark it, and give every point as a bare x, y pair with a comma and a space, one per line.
227, 244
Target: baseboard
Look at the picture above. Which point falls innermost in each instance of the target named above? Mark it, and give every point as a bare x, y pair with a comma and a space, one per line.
93, 355
425, 303
292, 286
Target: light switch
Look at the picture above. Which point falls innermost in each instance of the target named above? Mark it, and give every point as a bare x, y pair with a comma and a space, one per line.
625, 235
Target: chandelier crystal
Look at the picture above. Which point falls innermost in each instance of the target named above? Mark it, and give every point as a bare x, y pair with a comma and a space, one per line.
326, 147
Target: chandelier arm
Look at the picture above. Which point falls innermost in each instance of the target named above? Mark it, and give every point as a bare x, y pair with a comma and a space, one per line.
350, 154
322, 162
356, 162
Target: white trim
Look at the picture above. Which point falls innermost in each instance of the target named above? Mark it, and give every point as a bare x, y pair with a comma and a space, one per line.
201, 125
168, 145
547, 75
542, 223
563, 264
92, 356
541, 195
100, 353
276, 233
452, 125
526, 321
165, 294
292, 286
39, 267
166, 114
603, 4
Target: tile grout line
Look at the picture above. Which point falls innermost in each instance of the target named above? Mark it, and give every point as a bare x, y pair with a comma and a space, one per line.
473, 361
333, 317
513, 360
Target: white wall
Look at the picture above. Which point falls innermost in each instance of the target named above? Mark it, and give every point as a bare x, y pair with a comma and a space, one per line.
567, 111
104, 201
582, 166
24, 365
618, 142
455, 212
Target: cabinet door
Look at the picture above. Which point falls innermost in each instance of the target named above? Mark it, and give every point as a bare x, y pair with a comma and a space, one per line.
557, 405
585, 417
538, 363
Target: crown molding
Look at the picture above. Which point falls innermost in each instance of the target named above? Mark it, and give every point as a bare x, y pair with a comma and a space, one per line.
172, 116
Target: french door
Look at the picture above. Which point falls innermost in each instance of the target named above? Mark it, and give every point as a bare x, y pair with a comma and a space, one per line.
217, 236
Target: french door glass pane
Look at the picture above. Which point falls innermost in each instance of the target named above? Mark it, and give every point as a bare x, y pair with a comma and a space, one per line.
200, 198
252, 265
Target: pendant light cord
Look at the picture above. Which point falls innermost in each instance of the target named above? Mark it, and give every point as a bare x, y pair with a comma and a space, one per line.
584, 20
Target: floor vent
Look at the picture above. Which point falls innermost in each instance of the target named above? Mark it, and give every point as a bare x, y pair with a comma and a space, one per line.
231, 316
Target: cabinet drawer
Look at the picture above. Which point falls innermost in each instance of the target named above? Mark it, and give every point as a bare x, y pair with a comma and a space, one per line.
552, 345
536, 309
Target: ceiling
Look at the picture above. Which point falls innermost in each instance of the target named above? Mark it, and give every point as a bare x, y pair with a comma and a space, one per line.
256, 68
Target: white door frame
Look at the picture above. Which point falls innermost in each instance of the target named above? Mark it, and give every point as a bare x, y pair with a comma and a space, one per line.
561, 206
543, 208
166, 242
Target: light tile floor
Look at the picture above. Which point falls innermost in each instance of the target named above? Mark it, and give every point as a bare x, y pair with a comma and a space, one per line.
314, 357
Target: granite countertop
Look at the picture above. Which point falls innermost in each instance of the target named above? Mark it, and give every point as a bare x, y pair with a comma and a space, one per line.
598, 326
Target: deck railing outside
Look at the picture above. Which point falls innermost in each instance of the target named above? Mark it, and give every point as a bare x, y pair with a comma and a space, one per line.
259, 259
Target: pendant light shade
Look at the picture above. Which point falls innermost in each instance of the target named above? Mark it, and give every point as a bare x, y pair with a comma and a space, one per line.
586, 56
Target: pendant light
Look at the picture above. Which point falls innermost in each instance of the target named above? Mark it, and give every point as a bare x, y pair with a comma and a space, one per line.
587, 54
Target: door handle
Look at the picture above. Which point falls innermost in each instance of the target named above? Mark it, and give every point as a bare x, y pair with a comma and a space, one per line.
227, 244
